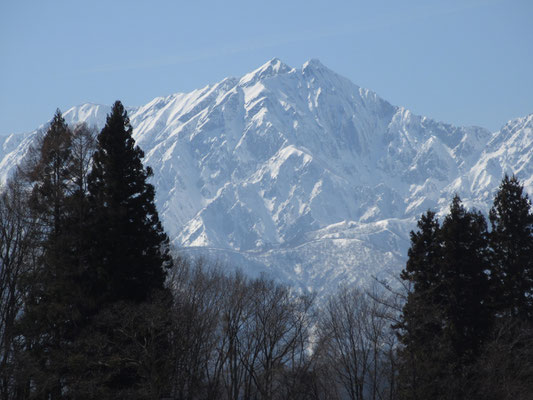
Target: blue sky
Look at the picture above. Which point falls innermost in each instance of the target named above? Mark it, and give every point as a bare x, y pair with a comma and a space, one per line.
467, 62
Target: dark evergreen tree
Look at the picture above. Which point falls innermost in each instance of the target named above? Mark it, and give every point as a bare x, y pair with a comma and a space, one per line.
465, 280
48, 172
52, 313
130, 248
511, 240
446, 316
126, 272
422, 315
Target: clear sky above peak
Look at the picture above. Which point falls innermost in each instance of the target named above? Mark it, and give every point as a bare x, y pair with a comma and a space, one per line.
467, 62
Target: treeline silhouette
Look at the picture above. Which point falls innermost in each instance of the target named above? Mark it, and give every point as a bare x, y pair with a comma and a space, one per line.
466, 329
93, 305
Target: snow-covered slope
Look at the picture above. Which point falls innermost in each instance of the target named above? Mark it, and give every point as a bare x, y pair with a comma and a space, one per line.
303, 175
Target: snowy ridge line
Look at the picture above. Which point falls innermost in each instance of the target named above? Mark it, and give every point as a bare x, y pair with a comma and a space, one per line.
299, 173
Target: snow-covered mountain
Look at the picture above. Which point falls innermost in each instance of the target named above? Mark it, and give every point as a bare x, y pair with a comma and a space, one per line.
302, 174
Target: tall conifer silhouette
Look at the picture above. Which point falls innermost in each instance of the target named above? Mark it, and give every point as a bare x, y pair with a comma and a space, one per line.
511, 239
130, 248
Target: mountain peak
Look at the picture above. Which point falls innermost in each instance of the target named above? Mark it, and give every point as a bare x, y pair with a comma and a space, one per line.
271, 175
315, 69
271, 68
313, 63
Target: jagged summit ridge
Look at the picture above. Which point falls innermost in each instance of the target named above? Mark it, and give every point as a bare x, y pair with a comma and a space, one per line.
301, 173
271, 68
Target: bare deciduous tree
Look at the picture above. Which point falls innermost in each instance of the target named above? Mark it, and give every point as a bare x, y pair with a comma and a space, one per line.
237, 338
196, 333
357, 345
18, 232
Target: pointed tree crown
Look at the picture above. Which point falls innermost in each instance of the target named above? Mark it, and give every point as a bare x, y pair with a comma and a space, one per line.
511, 240
131, 247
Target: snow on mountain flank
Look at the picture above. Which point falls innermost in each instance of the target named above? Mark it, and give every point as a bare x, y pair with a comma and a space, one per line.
303, 175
